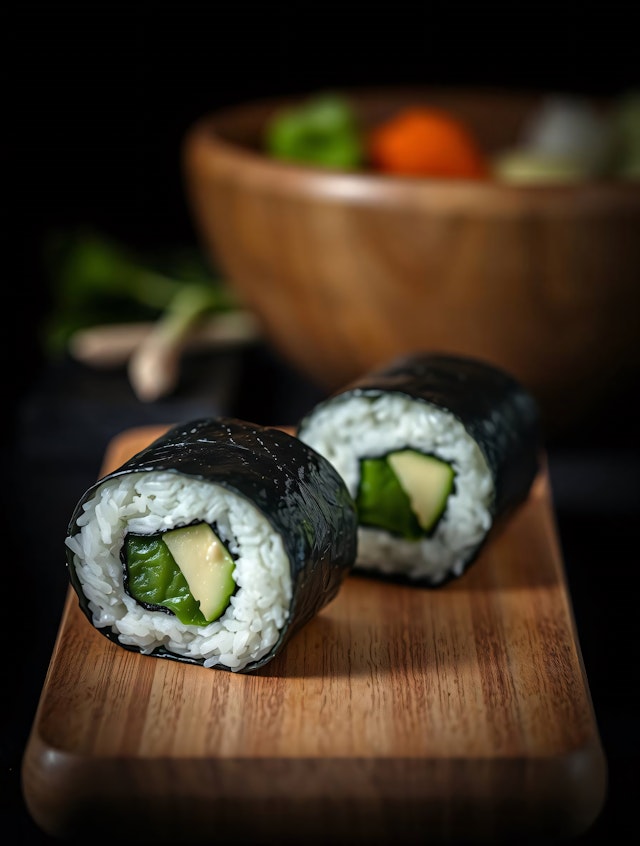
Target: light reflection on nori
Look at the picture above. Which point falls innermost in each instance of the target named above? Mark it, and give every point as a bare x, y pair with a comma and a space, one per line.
296, 489
495, 409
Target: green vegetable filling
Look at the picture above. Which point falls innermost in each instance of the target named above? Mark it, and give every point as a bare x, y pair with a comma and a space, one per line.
404, 493
321, 131
197, 590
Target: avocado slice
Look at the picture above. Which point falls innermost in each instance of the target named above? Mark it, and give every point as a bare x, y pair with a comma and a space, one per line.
206, 565
197, 594
428, 482
404, 492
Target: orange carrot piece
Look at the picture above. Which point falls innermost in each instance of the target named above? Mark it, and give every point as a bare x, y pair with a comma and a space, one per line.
426, 142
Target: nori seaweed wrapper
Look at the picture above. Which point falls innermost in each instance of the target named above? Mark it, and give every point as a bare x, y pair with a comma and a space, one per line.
497, 412
296, 489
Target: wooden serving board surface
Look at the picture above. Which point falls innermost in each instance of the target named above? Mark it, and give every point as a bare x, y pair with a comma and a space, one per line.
399, 714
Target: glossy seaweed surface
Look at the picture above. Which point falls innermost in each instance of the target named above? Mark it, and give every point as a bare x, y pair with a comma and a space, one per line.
295, 488
495, 409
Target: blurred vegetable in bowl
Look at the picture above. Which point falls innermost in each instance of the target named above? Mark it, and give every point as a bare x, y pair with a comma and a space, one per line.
421, 141
567, 138
570, 138
564, 139
626, 121
320, 131
163, 297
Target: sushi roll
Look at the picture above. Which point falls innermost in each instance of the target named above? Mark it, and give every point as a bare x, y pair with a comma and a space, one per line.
213, 545
433, 448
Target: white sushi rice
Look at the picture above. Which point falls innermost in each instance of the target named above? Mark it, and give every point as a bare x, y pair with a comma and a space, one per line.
353, 427
152, 502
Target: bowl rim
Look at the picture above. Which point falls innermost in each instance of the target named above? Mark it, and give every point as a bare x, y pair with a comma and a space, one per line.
207, 149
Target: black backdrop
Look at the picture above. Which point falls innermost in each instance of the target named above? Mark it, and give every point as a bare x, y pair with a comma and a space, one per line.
98, 96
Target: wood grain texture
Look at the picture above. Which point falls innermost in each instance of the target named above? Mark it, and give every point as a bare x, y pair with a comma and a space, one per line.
398, 714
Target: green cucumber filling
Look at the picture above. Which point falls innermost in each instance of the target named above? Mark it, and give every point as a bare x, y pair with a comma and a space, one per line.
188, 572
404, 493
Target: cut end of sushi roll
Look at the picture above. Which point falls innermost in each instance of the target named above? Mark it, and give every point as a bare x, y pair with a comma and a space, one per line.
213, 545
433, 449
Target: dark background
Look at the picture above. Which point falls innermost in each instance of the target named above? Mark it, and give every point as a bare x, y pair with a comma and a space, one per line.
97, 97
96, 100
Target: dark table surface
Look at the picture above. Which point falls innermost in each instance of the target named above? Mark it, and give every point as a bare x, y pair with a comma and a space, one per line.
54, 452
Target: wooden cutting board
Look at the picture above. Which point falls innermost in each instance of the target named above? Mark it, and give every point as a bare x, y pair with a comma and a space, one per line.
399, 714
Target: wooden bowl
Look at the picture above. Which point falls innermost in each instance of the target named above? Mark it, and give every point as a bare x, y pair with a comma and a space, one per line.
347, 270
